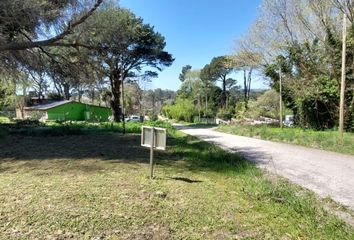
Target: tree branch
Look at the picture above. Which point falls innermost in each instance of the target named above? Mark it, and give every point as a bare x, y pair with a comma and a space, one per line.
54, 41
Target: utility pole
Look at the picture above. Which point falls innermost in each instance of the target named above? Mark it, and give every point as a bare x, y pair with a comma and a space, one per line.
123, 103
280, 99
342, 86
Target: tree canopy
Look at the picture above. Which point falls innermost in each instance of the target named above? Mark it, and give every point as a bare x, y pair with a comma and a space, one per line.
218, 70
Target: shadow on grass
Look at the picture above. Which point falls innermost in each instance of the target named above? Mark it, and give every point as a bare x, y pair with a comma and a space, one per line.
195, 126
186, 180
196, 155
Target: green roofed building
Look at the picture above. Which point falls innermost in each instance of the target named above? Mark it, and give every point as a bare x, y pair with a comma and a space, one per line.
66, 111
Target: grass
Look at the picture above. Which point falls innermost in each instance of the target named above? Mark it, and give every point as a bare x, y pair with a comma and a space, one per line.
4, 119
96, 186
36, 128
326, 140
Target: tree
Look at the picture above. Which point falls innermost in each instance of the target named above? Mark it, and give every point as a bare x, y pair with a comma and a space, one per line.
23, 23
218, 70
302, 37
248, 62
126, 46
185, 70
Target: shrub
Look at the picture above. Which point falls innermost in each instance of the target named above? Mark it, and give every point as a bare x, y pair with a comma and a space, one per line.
28, 123
224, 114
183, 110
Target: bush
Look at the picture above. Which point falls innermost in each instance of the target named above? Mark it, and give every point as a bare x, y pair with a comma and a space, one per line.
240, 110
153, 117
183, 110
27, 123
224, 114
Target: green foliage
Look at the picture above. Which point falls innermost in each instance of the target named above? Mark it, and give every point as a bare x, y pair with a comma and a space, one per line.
218, 70
183, 110
38, 129
7, 92
27, 17
311, 76
326, 140
240, 110
124, 34
185, 70
266, 105
130, 46
225, 114
4, 119
153, 117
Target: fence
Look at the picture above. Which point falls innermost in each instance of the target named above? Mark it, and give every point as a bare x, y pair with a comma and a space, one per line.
207, 120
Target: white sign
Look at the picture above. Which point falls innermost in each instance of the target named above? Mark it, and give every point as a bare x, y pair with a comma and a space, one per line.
159, 138
153, 138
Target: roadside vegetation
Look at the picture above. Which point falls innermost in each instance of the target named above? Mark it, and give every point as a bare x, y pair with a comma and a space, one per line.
326, 140
4, 119
96, 186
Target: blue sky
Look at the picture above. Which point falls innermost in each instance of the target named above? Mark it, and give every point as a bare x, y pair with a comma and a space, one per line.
195, 30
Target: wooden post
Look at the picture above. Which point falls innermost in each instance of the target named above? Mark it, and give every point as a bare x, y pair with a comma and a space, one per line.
152, 153
280, 99
342, 87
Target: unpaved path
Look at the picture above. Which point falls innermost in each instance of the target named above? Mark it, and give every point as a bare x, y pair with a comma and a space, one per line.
326, 173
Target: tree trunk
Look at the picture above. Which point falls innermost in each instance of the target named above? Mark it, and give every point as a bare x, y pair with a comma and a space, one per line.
199, 106
245, 88
223, 97
66, 91
80, 93
115, 100
249, 84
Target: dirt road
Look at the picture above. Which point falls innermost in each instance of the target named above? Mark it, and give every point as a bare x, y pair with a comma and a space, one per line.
325, 173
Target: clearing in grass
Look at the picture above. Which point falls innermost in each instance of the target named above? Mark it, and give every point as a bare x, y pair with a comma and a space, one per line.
96, 186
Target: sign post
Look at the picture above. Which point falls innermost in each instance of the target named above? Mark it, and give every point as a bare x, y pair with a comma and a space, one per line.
152, 154
153, 138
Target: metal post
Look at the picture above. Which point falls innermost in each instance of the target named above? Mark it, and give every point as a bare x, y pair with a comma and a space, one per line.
280, 99
342, 87
152, 153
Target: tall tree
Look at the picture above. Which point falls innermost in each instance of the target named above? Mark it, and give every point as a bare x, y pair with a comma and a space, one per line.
246, 61
218, 70
185, 70
127, 45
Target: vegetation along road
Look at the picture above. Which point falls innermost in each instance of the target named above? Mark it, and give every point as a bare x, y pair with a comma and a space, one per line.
325, 173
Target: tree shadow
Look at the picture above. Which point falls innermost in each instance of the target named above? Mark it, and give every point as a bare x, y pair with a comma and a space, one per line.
31, 152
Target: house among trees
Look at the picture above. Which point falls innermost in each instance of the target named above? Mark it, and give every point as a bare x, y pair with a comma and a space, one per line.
65, 110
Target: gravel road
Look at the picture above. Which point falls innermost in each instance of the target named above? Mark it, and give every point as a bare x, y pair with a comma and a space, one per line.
326, 173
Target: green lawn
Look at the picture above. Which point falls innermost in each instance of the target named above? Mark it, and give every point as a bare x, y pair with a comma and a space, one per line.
96, 186
326, 140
